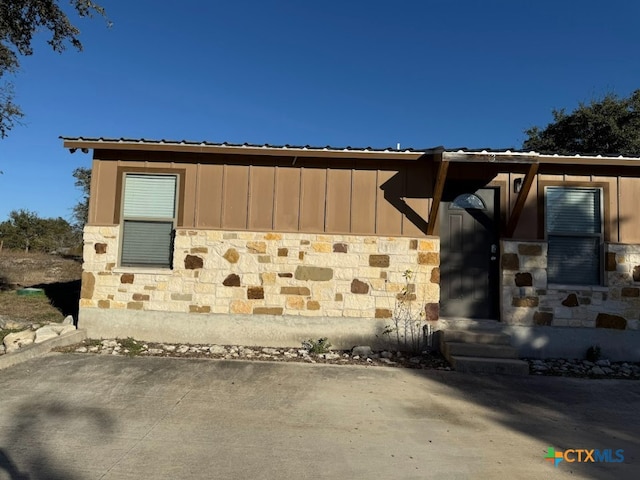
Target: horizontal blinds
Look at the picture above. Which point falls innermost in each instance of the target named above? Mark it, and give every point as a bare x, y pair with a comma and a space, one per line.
146, 243
573, 260
149, 196
573, 210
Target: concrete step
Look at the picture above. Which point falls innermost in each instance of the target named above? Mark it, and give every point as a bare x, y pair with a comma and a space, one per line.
502, 366
475, 336
478, 350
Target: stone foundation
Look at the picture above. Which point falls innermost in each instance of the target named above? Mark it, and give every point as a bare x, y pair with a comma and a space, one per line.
262, 274
528, 300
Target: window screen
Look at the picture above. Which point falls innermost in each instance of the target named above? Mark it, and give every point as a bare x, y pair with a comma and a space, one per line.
149, 207
573, 221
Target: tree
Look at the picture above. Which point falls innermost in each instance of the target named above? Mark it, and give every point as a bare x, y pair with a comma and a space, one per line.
20, 20
81, 209
26, 230
610, 126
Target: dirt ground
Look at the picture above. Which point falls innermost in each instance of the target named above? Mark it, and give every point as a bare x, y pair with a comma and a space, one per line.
20, 269
59, 278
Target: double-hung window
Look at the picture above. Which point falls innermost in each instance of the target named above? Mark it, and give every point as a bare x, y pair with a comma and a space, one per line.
573, 224
148, 220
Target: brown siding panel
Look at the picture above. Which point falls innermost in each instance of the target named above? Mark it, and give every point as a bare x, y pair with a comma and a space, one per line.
390, 193
338, 217
189, 194
105, 200
210, 196
287, 201
236, 191
629, 202
269, 193
312, 205
611, 207
261, 198
418, 192
363, 202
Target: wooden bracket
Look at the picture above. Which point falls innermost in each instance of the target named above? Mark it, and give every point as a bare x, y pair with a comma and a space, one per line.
438, 189
520, 201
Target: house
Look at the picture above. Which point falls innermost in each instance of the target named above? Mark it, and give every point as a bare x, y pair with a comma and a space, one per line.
268, 245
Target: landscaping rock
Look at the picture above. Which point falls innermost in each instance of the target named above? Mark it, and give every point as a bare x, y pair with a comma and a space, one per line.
584, 368
217, 350
15, 341
10, 324
45, 333
362, 351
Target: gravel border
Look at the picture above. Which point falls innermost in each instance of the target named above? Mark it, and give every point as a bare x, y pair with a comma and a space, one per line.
358, 356
364, 356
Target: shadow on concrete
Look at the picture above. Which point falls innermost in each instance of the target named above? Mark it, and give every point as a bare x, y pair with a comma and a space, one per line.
560, 412
65, 296
38, 428
7, 466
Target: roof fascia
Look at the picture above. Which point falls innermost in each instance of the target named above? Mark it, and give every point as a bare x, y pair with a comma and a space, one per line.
508, 158
243, 150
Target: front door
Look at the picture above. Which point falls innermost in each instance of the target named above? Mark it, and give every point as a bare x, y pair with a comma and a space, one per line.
469, 253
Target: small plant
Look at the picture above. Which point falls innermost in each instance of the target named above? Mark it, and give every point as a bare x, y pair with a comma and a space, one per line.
593, 353
408, 321
134, 348
319, 346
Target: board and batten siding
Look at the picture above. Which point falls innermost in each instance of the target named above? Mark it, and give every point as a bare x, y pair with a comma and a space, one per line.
374, 197
369, 197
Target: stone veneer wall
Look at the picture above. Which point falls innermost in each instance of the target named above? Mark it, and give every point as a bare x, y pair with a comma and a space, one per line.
261, 273
528, 299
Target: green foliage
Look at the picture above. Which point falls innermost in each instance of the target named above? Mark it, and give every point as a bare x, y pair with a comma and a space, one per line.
132, 346
408, 322
319, 346
593, 353
20, 21
25, 230
610, 126
81, 209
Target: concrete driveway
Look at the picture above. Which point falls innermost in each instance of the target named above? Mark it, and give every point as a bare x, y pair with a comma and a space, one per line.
72, 417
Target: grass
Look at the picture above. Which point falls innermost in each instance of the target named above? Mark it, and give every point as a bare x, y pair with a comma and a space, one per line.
132, 346
28, 308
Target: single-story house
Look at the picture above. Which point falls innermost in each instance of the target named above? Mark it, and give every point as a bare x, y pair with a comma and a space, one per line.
268, 245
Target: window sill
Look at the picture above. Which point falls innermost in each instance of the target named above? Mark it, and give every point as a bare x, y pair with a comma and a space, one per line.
143, 270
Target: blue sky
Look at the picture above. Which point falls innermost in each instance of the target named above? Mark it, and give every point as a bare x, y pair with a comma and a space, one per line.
421, 73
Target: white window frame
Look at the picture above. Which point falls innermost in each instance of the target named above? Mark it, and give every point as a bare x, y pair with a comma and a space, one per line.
572, 234
152, 219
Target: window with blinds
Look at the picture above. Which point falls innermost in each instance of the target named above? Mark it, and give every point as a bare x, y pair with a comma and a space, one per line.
148, 220
573, 223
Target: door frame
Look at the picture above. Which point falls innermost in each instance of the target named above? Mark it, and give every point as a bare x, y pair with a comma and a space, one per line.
500, 188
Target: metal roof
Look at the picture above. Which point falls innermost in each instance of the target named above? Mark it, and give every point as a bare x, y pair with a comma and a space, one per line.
455, 154
101, 142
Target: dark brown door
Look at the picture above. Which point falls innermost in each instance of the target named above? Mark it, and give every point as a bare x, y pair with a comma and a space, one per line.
469, 254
